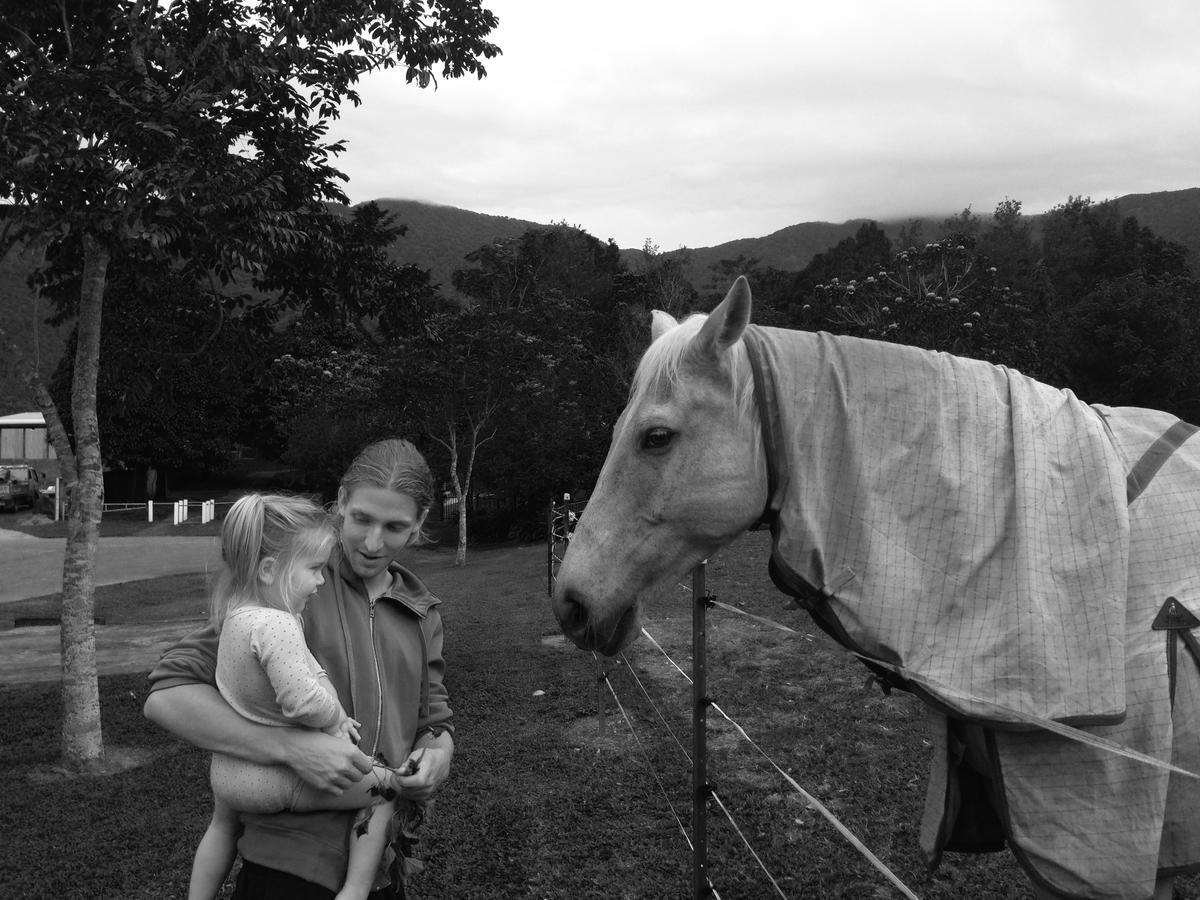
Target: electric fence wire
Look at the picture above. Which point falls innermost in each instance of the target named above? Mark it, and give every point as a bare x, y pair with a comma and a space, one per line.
762, 865
812, 801
762, 620
712, 791
822, 809
657, 711
646, 756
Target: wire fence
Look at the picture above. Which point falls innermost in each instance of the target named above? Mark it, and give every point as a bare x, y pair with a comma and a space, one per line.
703, 793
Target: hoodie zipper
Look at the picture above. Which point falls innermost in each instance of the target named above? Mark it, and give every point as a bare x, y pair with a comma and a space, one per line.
378, 684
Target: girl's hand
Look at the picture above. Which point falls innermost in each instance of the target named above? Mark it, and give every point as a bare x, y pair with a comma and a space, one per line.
348, 729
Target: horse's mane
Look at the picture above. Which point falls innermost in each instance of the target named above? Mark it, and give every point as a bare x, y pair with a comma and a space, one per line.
658, 373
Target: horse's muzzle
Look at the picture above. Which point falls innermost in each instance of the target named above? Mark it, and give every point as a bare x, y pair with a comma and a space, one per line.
589, 631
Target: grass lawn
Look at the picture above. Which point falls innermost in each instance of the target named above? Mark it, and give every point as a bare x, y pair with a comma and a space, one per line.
541, 804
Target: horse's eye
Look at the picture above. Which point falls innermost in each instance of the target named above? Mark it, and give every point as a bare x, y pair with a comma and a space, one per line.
657, 439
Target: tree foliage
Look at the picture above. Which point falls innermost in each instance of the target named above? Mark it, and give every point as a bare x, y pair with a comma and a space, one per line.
192, 135
940, 296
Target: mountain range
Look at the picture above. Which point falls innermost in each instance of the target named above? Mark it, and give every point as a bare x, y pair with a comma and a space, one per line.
438, 237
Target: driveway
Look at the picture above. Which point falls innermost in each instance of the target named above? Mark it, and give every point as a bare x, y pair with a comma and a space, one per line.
32, 567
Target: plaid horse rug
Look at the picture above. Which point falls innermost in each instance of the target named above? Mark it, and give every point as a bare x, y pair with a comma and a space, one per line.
1008, 549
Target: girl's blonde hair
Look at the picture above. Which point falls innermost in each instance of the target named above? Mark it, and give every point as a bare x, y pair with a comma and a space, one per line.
282, 527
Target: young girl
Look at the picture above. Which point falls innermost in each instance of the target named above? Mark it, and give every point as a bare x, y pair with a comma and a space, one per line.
275, 549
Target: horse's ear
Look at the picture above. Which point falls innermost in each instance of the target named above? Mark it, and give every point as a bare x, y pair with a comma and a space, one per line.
660, 323
725, 324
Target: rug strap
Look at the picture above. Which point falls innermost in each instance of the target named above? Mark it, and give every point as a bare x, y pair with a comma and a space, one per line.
1156, 455
1177, 621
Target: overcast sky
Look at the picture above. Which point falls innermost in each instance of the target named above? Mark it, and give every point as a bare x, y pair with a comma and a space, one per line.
694, 123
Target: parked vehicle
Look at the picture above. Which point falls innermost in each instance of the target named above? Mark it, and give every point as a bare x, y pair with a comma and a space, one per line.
45, 499
18, 487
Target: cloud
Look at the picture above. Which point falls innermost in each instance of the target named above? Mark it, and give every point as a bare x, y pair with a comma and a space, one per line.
701, 123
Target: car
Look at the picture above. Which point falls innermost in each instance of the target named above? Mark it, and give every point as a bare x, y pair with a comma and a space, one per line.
18, 487
45, 499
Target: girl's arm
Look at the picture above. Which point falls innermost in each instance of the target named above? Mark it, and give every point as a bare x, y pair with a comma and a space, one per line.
277, 640
198, 714
346, 727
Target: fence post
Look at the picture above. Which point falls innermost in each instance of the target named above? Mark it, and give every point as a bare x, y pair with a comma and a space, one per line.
700, 786
601, 685
550, 549
149, 510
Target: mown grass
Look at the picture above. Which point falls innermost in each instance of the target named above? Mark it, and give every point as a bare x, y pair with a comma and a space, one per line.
166, 599
540, 803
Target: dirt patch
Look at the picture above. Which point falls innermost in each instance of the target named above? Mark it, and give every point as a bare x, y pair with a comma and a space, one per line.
612, 737
114, 761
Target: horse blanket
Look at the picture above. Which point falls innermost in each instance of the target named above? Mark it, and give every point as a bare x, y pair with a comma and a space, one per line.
972, 528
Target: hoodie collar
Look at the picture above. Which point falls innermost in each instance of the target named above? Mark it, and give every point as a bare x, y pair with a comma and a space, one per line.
406, 589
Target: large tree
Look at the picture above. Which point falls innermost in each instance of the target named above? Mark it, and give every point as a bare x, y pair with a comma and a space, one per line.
193, 134
175, 372
562, 295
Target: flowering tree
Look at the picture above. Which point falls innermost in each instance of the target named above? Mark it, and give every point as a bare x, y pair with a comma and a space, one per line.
940, 296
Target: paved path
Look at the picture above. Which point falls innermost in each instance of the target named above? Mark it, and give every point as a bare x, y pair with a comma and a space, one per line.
34, 654
32, 567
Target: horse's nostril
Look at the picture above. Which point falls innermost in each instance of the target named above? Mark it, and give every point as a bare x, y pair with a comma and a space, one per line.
572, 615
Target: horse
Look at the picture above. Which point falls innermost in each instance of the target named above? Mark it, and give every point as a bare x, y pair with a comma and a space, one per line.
1026, 563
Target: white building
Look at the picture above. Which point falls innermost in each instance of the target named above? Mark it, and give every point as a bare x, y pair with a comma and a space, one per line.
23, 440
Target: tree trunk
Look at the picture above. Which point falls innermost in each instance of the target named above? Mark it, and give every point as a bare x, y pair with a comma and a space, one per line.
82, 739
460, 559
460, 493
460, 555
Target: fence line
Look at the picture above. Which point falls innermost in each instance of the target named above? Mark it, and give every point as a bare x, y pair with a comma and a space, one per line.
809, 798
649, 765
711, 791
701, 789
180, 510
560, 522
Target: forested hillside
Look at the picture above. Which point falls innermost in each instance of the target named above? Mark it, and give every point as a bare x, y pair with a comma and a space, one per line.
438, 238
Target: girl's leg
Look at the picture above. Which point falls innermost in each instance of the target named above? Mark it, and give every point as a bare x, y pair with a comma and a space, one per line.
364, 793
215, 854
365, 852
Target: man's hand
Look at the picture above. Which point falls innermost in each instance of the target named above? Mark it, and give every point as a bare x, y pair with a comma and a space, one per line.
326, 762
200, 715
432, 766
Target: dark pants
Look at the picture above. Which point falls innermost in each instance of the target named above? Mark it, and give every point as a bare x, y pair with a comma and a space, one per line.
256, 882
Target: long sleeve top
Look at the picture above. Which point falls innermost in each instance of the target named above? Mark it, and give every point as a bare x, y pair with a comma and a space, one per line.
266, 672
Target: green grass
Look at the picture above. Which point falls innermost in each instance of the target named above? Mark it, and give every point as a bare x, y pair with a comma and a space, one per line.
166, 599
540, 804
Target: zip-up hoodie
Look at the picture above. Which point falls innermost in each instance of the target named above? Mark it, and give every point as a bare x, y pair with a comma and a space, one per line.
385, 660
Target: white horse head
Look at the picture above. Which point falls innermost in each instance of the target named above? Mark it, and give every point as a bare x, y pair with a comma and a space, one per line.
685, 475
